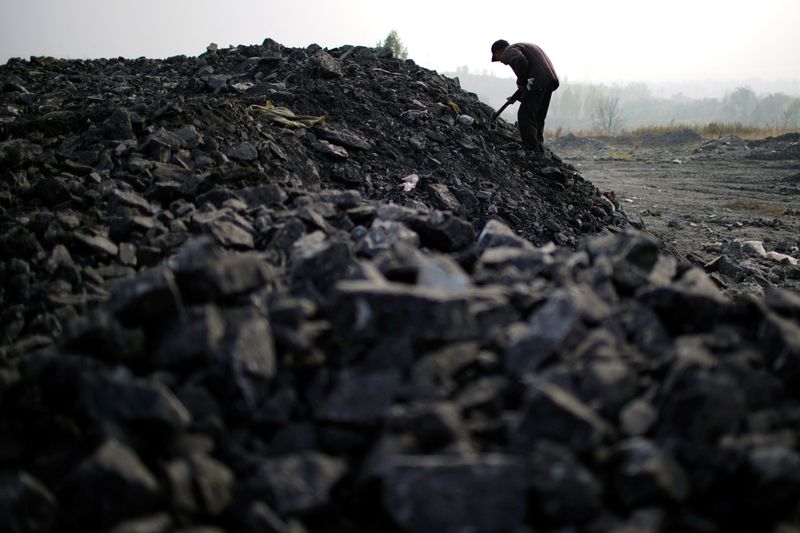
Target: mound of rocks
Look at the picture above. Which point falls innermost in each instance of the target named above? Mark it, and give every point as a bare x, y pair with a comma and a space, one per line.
227, 314
571, 143
748, 266
778, 148
726, 145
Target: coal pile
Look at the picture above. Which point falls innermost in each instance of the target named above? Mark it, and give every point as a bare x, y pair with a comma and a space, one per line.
224, 313
778, 148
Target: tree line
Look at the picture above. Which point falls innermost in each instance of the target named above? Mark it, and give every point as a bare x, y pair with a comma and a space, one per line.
612, 108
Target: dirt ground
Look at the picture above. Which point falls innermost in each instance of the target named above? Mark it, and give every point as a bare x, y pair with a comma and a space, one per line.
701, 196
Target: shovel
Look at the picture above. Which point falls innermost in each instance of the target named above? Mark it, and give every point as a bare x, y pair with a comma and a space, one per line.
510, 100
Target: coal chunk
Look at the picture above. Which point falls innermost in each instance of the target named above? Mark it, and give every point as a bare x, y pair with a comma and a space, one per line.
442, 493
643, 473
26, 505
149, 297
359, 399
109, 485
297, 483
142, 404
200, 485
368, 309
562, 490
218, 279
552, 413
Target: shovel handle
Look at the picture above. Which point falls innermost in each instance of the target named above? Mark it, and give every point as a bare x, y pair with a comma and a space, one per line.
496, 114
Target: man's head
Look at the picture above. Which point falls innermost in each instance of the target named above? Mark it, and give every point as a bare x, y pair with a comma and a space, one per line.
498, 47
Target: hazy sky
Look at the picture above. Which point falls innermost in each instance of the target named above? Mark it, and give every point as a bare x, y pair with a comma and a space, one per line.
592, 40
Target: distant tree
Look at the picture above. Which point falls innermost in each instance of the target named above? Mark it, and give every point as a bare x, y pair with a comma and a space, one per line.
393, 43
740, 104
791, 117
608, 114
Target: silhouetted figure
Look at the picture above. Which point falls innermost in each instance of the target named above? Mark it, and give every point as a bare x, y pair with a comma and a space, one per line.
536, 81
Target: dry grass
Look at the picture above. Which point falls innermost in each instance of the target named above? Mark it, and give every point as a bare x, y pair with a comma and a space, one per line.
760, 208
716, 129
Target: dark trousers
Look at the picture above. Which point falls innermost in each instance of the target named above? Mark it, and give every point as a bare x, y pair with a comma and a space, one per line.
530, 118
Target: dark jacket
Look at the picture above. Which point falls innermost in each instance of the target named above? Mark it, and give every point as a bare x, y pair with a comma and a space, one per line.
529, 61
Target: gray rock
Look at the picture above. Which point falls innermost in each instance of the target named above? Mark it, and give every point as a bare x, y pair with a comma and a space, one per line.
157, 523
723, 265
132, 402
369, 310
149, 297
160, 144
217, 82
262, 195
244, 152
17, 152
781, 337
443, 198
692, 303
52, 191
434, 427
505, 264
554, 327
437, 230
19, 242
562, 490
286, 235
329, 149
110, 485
224, 278
360, 399
383, 235
99, 334
784, 302
118, 125
637, 417
442, 273
326, 66
259, 518
94, 244
193, 339
552, 413
701, 401
298, 483
227, 227
316, 263
776, 479
342, 137
167, 173
606, 383
444, 493
120, 199
26, 505
643, 473
189, 136
438, 374
200, 484
496, 234
245, 363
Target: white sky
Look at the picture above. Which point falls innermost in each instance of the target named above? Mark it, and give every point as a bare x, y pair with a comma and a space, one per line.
588, 40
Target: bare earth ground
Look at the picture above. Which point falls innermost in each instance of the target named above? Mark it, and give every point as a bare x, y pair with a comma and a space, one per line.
701, 196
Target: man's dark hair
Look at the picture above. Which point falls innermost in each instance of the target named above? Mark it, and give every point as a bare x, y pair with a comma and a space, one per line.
500, 44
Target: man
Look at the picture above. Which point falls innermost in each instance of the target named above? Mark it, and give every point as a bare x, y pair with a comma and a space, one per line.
536, 81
